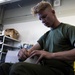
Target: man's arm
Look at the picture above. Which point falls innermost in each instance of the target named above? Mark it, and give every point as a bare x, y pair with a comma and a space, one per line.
65, 55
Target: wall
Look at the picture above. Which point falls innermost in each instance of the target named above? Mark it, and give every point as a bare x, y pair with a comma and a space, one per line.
29, 31
29, 27
23, 14
66, 8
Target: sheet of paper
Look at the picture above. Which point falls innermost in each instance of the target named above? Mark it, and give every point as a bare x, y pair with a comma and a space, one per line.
32, 60
12, 56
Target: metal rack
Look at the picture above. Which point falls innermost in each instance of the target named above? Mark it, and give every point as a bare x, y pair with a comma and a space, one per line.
7, 43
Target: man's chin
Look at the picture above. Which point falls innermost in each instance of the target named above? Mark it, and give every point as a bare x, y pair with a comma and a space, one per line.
47, 25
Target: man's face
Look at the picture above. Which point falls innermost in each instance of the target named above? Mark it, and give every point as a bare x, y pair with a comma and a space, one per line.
47, 17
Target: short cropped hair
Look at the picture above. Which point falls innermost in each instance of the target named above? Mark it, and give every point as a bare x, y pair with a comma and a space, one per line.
40, 7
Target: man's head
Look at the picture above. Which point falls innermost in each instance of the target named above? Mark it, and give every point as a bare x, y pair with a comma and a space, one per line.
45, 12
41, 7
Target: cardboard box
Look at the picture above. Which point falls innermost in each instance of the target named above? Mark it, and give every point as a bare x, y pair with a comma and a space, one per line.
11, 33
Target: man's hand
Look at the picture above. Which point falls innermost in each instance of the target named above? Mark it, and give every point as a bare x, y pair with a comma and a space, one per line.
41, 54
23, 54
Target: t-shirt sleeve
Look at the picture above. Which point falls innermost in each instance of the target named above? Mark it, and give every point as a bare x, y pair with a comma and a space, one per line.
71, 33
42, 40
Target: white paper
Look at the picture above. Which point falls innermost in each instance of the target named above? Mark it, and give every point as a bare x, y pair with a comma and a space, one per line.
12, 56
32, 60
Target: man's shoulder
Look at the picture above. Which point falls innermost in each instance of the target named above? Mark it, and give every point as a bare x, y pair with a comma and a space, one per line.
67, 25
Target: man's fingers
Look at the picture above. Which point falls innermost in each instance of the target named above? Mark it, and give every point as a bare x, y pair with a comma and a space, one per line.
33, 52
22, 54
32, 55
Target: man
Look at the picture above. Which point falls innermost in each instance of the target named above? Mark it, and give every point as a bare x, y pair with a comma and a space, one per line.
55, 49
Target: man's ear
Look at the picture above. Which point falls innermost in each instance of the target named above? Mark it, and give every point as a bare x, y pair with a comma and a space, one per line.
53, 11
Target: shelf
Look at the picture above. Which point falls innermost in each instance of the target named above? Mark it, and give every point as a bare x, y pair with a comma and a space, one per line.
1, 42
6, 45
1, 35
1, 38
9, 38
2, 52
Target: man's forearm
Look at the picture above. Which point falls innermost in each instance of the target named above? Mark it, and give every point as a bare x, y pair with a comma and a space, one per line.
65, 55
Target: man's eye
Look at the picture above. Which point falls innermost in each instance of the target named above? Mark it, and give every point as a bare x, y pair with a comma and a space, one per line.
44, 17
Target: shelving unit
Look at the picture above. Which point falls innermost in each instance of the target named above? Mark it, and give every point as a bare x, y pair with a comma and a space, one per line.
7, 43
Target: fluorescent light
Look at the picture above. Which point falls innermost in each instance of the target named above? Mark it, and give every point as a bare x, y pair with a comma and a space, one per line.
1, 1
7, 1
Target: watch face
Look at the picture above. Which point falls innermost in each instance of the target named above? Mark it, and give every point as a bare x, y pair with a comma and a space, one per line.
27, 46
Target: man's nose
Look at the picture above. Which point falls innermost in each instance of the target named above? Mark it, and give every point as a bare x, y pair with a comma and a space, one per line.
43, 20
